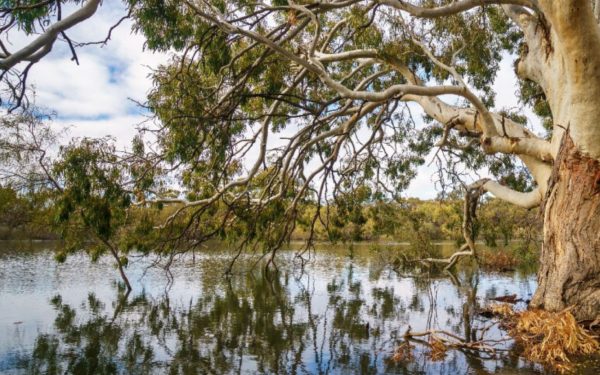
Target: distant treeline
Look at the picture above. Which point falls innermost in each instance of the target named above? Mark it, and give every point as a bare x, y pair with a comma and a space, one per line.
420, 222
25, 216
408, 220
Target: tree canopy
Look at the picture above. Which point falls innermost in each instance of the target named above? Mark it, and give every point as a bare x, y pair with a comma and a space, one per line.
313, 101
265, 107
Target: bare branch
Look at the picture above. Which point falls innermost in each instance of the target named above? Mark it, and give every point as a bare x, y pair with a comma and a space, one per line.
526, 200
28, 53
452, 8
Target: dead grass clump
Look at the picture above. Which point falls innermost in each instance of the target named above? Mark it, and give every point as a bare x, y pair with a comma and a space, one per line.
498, 261
502, 309
403, 353
548, 338
437, 350
553, 338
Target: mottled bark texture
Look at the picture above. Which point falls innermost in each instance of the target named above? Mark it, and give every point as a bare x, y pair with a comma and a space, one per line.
569, 274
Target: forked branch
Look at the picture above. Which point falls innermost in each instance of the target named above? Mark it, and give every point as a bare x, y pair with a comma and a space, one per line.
472, 194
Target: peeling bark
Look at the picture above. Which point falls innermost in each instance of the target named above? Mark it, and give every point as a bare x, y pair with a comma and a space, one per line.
570, 258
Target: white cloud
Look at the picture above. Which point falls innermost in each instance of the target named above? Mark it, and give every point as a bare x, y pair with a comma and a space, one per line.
94, 97
83, 91
121, 127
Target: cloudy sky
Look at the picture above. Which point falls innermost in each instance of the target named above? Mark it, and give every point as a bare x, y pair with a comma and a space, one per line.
97, 98
94, 97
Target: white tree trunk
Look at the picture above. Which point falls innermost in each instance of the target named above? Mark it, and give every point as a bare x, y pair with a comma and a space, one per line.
564, 58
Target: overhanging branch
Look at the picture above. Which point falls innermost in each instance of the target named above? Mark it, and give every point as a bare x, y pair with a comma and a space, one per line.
452, 8
49, 36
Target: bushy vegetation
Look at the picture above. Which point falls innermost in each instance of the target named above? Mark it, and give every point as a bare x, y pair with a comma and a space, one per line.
23, 215
418, 222
421, 221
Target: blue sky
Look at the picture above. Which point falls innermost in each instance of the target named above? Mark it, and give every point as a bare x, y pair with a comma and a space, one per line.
95, 98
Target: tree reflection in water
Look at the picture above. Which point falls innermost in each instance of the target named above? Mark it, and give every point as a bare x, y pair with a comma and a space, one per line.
286, 324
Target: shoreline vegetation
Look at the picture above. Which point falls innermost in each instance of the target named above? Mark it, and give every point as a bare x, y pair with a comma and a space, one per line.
407, 221
507, 237
416, 225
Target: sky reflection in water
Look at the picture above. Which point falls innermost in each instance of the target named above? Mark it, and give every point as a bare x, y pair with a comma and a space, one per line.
346, 313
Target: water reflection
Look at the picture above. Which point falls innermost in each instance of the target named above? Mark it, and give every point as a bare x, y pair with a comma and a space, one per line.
339, 316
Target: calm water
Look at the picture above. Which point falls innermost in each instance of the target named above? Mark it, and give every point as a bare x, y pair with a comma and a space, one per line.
346, 312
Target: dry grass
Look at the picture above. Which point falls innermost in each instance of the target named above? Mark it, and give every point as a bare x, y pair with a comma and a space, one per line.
498, 260
502, 309
552, 339
437, 350
403, 353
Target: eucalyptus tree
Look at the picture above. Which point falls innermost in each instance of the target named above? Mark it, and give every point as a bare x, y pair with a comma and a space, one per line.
316, 98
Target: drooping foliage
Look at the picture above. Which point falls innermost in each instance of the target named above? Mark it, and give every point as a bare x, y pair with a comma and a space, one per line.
92, 204
231, 108
92, 186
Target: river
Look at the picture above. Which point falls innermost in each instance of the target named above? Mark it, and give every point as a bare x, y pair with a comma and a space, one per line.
344, 312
